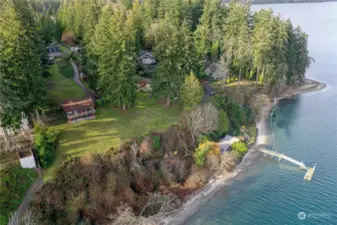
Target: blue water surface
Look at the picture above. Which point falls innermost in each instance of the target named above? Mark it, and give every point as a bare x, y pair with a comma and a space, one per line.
269, 192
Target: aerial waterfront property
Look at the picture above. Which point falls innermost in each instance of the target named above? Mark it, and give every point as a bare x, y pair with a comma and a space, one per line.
161, 112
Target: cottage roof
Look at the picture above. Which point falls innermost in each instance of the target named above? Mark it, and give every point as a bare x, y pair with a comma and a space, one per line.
69, 106
142, 52
227, 142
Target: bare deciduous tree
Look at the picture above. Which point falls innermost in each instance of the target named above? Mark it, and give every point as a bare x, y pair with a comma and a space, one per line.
134, 157
204, 119
161, 205
228, 161
127, 217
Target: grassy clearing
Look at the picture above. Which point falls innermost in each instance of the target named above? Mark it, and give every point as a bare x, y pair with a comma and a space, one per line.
62, 88
14, 183
65, 68
110, 128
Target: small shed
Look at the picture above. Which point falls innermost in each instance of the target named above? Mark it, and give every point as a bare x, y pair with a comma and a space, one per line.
27, 159
226, 142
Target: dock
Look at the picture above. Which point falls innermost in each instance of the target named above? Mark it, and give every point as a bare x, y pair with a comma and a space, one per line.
310, 171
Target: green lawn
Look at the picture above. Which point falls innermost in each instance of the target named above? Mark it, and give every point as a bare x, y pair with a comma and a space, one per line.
65, 51
65, 68
86, 84
111, 127
14, 182
60, 87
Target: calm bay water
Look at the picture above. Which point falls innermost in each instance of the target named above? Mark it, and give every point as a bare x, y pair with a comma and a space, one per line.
269, 192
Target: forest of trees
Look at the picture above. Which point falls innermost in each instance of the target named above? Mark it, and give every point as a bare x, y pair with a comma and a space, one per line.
288, 1
184, 35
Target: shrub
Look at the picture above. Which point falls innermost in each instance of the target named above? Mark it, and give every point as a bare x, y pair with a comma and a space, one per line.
46, 74
224, 122
45, 144
156, 142
240, 147
198, 176
203, 138
100, 101
205, 148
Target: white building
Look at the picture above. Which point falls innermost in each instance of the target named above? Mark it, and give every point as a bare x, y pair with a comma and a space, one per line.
227, 142
146, 58
27, 159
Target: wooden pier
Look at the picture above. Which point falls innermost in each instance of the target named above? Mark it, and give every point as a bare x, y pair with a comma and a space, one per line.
310, 171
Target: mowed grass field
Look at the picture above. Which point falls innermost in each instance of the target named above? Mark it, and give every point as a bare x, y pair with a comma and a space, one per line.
61, 85
110, 128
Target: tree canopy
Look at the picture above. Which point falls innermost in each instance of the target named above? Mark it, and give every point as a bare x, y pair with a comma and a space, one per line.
22, 88
184, 36
191, 91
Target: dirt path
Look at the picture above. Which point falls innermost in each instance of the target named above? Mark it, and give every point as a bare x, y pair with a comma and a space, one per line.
86, 91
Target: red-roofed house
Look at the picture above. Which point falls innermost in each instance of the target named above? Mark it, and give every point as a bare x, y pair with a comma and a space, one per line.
79, 110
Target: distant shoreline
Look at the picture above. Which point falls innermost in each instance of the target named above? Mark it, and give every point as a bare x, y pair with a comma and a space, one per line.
200, 197
294, 2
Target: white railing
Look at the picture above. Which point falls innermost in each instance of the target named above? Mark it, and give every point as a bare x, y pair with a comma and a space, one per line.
76, 114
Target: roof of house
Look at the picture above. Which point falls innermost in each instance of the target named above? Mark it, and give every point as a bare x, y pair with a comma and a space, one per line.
227, 141
69, 106
142, 52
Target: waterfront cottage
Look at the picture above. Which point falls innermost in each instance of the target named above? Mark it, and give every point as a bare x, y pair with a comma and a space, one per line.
226, 142
76, 111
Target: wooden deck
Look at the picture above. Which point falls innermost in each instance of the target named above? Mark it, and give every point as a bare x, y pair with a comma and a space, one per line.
308, 175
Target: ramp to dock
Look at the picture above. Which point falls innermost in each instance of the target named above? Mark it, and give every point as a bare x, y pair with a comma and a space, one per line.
285, 157
308, 174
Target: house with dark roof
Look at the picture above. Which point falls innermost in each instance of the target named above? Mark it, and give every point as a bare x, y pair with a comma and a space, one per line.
226, 143
76, 111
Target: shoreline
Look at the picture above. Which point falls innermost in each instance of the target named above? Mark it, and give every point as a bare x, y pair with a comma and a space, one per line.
200, 197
